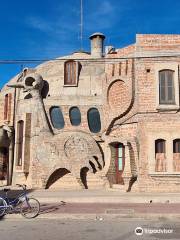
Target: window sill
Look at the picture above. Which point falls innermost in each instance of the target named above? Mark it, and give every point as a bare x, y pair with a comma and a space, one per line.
70, 85
168, 107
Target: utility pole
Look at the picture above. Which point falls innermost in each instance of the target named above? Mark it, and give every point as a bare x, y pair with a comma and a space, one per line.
81, 26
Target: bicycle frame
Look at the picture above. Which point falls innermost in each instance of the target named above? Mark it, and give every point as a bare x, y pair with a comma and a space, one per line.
10, 205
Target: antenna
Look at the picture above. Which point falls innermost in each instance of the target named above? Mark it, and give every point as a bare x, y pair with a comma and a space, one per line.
81, 25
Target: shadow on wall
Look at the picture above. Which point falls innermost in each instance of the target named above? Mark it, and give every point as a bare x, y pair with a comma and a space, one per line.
133, 167
83, 176
45, 89
56, 175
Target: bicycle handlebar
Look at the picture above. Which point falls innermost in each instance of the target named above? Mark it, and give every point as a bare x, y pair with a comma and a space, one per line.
21, 185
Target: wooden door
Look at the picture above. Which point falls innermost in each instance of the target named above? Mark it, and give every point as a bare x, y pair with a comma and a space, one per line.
119, 162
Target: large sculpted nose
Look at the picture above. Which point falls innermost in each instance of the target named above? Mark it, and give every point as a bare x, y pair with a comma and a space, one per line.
30, 82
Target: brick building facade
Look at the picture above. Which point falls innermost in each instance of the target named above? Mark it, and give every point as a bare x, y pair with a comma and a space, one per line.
94, 120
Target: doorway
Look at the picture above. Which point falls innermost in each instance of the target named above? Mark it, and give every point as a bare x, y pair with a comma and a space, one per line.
117, 163
4, 160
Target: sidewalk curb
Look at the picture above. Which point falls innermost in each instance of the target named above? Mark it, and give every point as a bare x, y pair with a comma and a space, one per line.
102, 200
98, 217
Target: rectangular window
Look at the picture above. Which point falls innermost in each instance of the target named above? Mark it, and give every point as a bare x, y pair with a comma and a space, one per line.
166, 87
120, 158
70, 76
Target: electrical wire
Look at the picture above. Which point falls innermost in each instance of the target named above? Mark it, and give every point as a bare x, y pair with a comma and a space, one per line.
96, 60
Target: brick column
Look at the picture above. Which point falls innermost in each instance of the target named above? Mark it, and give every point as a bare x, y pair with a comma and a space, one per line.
169, 155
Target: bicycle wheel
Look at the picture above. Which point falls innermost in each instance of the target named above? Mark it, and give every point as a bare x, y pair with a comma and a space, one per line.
3, 207
30, 208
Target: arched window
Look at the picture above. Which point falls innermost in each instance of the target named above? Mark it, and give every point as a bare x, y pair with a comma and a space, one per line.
6, 100
70, 73
160, 146
176, 155
160, 151
176, 146
20, 141
166, 87
94, 120
57, 118
75, 116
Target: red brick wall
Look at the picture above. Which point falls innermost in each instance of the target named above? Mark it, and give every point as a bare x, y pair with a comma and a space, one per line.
118, 96
154, 42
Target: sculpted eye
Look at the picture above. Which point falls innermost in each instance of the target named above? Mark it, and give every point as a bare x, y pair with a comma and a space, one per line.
57, 118
75, 116
29, 81
94, 120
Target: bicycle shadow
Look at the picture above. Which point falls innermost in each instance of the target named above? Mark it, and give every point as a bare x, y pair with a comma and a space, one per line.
2, 218
48, 208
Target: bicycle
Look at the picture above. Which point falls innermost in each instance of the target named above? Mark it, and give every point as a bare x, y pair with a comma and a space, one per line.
29, 207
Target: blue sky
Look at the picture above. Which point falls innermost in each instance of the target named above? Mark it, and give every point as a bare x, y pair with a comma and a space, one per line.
40, 29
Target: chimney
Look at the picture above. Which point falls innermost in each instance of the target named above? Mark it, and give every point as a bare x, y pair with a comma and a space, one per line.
97, 45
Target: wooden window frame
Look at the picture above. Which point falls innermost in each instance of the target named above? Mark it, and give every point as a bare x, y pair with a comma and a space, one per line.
172, 66
166, 97
70, 73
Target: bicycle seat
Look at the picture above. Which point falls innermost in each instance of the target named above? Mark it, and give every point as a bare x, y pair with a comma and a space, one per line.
6, 189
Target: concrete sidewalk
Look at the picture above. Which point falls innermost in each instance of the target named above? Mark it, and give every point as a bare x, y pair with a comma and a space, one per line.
103, 196
97, 204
